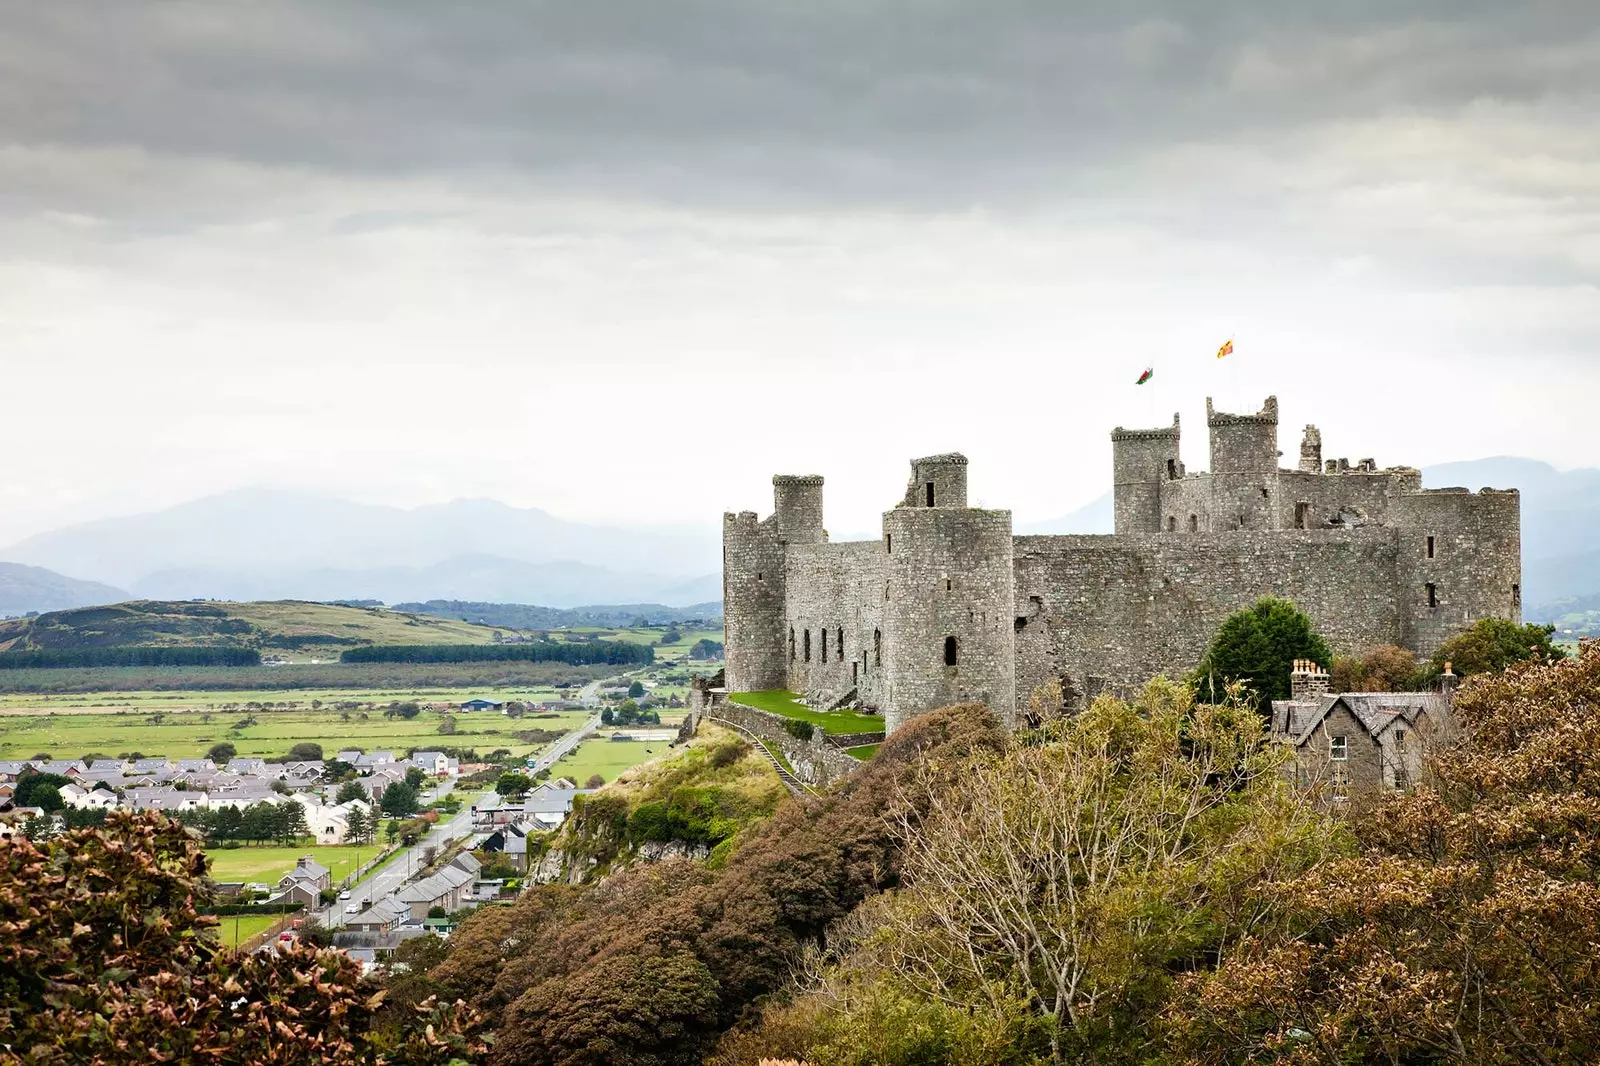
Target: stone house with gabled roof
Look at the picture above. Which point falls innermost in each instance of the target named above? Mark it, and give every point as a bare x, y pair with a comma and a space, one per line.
1359, 744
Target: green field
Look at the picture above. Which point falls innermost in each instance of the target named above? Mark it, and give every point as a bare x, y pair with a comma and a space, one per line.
863, 752
608, 758
785, 703
268, 864
234, 928
302, 678
185, 725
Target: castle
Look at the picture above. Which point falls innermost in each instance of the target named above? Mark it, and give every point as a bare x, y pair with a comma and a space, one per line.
950, 605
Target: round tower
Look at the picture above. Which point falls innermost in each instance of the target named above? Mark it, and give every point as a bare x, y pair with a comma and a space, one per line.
752, 603
797, 507
1459, 560
1244, 468
1142, 461
948, 614
938, 481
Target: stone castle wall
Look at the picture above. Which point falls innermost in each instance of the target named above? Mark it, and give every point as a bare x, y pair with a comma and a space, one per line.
837, 590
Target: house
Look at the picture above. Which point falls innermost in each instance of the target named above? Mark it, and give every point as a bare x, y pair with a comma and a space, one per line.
436, 763
298, 891
1358, 744
449, 888
482, 705
308, 869
97, 799
242, 798
374, 759
327, 823
10, 768
381, 918
106, 767
64, 767
195, 766
350, 756
166, 800
150, 766
253, 766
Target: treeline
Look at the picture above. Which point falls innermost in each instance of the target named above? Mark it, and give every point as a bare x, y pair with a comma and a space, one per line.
332, 675
529, 616
589, 653
70, 658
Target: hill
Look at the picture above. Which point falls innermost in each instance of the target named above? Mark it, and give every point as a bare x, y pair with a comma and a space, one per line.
529, 616
273, 625
33, 588
259, 544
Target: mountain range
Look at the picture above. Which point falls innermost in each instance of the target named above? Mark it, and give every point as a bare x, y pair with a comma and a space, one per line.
256, 544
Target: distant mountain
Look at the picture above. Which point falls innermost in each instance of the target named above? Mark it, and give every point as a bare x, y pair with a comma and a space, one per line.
1560, 520
528, 616
33, 588
270, 544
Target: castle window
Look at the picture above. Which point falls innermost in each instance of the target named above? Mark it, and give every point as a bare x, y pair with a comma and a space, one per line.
1172, 469
758, 575
791, 643
877, 647
1302, 511
1194, 523
1430, 547
1433, 594
1516, 595
855, 675
824, 643
1339, 748
1172, 523
808, 645
949, 651
841, 643
930, 494
947, 584
888, 543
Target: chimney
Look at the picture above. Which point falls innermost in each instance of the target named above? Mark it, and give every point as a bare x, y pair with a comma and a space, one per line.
1448, 683
1311, 451
1307, 681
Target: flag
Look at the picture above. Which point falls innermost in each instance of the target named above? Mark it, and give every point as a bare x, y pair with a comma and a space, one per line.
1146, 376
1226, 349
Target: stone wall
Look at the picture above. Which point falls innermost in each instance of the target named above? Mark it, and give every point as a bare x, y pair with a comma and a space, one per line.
753, 599
1474, 571
816, 762
1128, 608
837, 589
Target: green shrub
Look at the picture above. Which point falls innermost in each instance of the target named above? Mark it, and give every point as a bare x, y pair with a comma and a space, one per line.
800, 730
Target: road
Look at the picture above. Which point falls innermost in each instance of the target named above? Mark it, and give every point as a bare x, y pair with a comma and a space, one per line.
400, 870
564, 745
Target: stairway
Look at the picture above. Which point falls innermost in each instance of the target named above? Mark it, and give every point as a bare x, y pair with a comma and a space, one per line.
795, 786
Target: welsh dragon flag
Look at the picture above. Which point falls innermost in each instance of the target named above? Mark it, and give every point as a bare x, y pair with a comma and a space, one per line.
1149, 373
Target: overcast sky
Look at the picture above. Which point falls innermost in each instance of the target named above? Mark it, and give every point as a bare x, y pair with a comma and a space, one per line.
625, 260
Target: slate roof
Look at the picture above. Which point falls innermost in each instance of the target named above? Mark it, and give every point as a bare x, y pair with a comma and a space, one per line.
1376, 711
434, 887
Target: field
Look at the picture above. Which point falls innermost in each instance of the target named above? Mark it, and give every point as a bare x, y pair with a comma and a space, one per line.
608, 758
785, 703
299, 678
185, 725
234, 928
269, 864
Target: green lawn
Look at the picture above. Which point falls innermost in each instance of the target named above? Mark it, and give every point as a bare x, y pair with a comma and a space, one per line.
863, 751
608, 758
188, 727
785, 703
268, 864
235, 928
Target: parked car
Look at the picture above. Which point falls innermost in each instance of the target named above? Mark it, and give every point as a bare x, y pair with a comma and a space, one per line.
352, 908
345, 894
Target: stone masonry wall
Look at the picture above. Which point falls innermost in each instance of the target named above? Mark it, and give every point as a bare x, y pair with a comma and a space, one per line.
837, 588
1128, 608
816, 762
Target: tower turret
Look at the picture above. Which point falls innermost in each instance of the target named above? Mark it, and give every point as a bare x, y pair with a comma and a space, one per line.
797, 507
938, 481
1142, 461
1244, 467
1460, 559
753, 603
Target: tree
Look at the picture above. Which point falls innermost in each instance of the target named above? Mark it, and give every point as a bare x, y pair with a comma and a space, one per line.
47, 798
1463, 928
447, 725
39, 828
636, 690
34, 789
399, 800
357, 828
407, 710
595, 781
350, 790
107, 959
416, 777
608, 716
221, 752
513, 784
1258, 647
1386, 668
1491, 645
291, 822
305, 751
391, 830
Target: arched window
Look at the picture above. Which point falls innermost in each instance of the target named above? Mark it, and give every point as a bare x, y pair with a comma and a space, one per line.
877, 647
1172, 523
949, 651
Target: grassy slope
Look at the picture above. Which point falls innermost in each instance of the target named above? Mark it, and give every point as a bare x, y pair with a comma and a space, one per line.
752, 777
785, 703
272, 625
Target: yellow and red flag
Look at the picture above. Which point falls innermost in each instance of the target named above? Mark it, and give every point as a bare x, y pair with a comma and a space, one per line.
1226, 349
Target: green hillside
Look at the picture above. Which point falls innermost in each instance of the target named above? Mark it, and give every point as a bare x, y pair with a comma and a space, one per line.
271, 626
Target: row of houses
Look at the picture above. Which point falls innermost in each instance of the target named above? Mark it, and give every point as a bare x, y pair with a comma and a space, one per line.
449, 888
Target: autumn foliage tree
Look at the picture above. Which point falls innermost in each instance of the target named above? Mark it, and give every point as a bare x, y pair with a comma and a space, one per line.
106, 958
1464, 930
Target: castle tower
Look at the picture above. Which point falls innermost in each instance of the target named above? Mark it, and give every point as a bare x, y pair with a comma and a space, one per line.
1244, 468
797, 506
1460, 559
938, 481
753, 603
948, 632
1311, 451
1142, 461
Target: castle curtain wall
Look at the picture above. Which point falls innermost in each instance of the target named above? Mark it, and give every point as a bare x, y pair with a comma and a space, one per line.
836, 587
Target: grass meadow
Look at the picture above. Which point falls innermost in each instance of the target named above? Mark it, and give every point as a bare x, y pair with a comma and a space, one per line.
608, 758
268, 864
